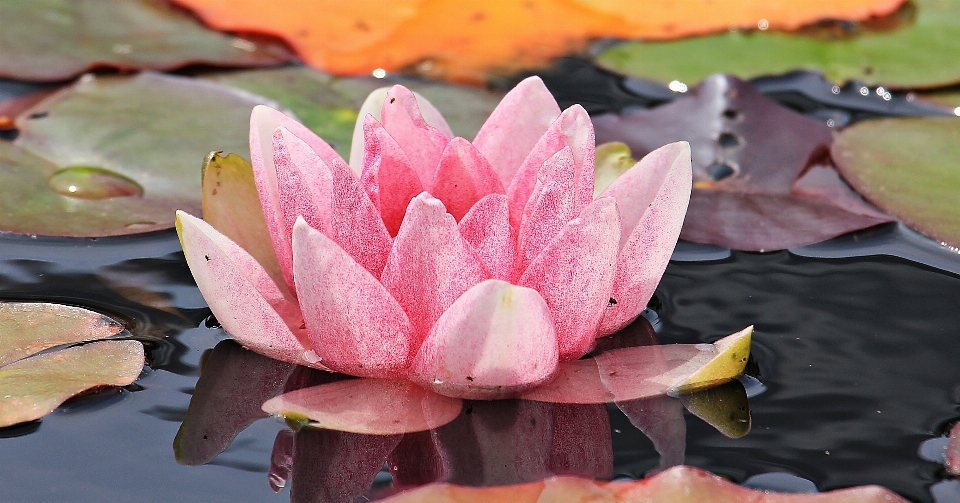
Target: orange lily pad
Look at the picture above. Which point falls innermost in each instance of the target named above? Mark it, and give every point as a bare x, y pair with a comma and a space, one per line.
33, 385
681, 484
451, 38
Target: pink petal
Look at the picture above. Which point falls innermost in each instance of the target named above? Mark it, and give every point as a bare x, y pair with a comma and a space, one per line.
487, 228
576, 382
550, 207
572, 129
241, 294
497, 339
515, 126
660, 418
423, 143
353, 323
652, 200
574, 274
373, 105
355, 222
582, 443
263, 123
368, 406
430, 265
388, 177
463, 177
305, 187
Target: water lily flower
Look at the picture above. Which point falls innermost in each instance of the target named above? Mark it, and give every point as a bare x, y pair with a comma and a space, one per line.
469, 268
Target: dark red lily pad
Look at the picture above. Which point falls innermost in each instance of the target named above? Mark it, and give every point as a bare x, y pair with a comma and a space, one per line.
761, 175
909, 167
47, 40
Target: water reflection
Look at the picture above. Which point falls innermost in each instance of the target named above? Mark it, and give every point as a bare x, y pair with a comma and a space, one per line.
482, 443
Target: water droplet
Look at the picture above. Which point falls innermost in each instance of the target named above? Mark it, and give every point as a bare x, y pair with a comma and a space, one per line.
88, 182
379, 73
677, 86
719, 171
864, 91
835, 89
437, 381
243, 45
312, 356
763, 24
956, 111
729, 140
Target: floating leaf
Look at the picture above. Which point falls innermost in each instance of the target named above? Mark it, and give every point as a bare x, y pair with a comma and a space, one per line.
948, 99
630, 373
758, 184
117, 155
329, 105
452, 39
681, 484
368, 406
908, 167
921, 54
123, 34
33, 386
28, 328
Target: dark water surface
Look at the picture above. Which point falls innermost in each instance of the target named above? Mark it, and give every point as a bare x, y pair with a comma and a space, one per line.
860, 357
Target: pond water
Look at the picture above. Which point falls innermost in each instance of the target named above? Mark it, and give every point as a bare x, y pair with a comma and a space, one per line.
858, 355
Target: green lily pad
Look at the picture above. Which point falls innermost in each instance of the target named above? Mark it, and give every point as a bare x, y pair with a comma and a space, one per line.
56, 39
909, 167
118, 155
922, 54
33, 386
329, 105
947, 98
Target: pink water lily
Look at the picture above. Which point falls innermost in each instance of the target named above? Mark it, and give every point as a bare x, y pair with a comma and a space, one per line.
469, 268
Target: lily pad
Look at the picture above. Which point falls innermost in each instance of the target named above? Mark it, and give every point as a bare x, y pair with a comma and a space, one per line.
57, 39
117, 155
33, 386
329, 105
681, 484
452, 39
921, 54
910, 167
760, 182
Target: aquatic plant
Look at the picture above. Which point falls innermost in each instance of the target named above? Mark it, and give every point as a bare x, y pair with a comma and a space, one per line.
470, 268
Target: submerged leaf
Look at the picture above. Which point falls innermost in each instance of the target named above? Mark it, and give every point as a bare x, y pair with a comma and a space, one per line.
34, 387
122, 34
920, 54
452, 38
909, 167
117, 155
758, 179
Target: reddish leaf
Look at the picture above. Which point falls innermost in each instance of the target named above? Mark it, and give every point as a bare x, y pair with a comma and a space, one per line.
760, 182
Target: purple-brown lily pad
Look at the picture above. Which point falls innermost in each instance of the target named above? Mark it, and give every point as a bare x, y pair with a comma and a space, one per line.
760, 178
47, 40
910, 167
117, 155
33, 385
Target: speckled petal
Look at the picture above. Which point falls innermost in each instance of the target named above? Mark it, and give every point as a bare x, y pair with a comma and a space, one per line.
388, 177
304, 188
487, 228
496, 340
423, 143
575, 273
572, 129
463, 177
355, 222
263, 123
431, 264
550, 207
241, 294
515, 126
652, 200
354, 324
